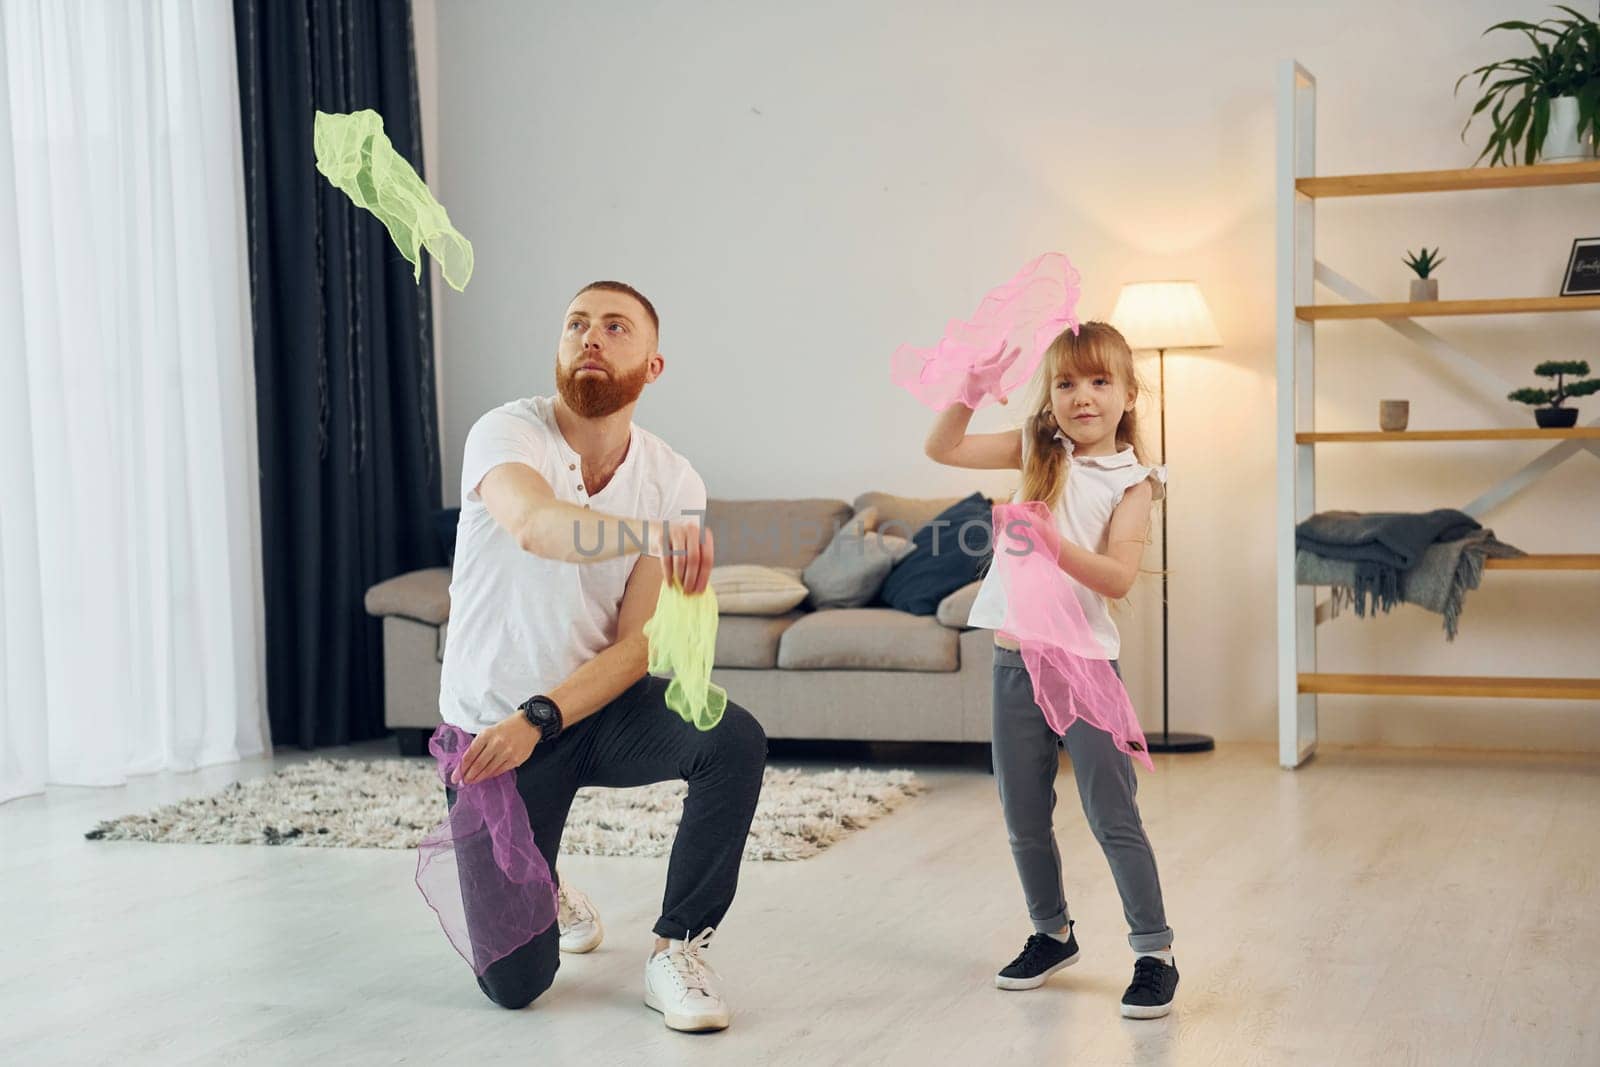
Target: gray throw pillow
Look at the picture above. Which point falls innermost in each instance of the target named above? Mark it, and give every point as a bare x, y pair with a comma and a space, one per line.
955, 608
853, 567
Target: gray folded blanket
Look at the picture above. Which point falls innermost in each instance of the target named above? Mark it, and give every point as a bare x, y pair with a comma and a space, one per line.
1394, 538
1382, 545
1438, 582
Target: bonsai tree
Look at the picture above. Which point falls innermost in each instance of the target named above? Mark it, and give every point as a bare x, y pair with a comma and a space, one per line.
1423, 262
1553, 399
1565, 62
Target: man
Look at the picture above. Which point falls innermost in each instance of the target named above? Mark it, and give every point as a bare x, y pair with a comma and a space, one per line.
571, 518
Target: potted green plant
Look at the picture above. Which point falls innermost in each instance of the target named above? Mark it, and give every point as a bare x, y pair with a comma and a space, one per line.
1546, 106
1424, 286
1552, 415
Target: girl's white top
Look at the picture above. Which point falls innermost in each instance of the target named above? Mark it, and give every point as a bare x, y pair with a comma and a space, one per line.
1095, 486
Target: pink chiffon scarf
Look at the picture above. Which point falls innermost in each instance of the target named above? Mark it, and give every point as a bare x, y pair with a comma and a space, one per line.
1072, 675
1003, 341
479, 869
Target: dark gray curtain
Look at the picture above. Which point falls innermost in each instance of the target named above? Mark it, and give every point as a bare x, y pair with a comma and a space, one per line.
344, 360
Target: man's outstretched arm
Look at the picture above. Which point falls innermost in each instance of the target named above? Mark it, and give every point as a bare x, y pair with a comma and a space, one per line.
524, 505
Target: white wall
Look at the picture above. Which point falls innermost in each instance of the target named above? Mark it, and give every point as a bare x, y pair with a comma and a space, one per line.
801, 188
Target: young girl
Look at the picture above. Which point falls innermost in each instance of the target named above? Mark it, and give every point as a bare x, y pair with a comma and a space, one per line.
1078, 453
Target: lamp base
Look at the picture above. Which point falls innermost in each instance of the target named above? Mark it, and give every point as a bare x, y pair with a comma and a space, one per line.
1179, 742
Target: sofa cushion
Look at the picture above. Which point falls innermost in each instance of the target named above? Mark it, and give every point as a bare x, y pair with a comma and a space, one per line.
421, 595
747, 589
852, 568
947, 557
775, 533
870, 639
751, 641
954, 609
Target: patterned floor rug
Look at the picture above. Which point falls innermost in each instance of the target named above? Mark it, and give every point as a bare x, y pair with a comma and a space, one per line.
392, 803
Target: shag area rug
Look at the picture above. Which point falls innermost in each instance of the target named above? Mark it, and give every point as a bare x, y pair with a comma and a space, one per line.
392, 803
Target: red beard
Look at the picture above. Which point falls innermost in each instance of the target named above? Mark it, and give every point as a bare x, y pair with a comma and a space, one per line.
595, 397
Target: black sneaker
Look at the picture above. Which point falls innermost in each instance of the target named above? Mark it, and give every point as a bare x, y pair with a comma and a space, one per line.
1150, 994
1041, 957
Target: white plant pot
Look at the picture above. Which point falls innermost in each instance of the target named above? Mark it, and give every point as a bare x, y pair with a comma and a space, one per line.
1561, 144
1424, 289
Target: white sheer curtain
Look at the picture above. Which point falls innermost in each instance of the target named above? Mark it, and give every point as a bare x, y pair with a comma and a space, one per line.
130, 557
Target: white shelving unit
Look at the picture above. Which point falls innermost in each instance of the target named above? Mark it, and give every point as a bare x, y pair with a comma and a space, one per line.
1299, 271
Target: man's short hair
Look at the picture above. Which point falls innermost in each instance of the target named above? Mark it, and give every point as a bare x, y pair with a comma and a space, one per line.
624, 287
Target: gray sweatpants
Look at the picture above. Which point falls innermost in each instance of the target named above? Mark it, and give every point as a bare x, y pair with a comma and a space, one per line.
1025, 765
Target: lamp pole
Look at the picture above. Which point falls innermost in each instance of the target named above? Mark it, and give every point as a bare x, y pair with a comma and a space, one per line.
1169, 741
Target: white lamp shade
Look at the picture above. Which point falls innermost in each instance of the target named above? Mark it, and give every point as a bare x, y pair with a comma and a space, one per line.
1164, 315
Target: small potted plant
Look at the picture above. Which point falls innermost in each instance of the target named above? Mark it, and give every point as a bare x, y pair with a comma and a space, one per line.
1424, 286
1545, 107
1552, 415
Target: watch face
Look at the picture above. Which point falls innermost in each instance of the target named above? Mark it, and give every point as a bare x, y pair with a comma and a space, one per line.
541, 712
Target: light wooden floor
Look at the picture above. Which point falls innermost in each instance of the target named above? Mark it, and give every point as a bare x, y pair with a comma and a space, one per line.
1374, 907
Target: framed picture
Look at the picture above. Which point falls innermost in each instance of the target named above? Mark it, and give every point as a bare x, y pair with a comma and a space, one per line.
1583, 269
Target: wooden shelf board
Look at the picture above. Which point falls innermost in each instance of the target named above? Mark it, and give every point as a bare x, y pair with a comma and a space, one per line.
1531, 433
1520, 305
1448, 181
1546, 562
1421, 685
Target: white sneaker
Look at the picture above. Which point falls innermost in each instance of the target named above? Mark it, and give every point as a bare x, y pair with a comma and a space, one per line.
578, 921
681, 985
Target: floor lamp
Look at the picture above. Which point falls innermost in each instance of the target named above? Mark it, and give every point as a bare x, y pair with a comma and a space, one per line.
1163, 315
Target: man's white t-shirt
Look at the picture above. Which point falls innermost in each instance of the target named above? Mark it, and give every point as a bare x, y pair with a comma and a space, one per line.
519, 624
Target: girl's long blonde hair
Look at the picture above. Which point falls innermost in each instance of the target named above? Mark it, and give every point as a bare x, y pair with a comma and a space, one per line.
1096, 349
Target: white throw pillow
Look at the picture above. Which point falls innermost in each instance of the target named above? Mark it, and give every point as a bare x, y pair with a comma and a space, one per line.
751, 589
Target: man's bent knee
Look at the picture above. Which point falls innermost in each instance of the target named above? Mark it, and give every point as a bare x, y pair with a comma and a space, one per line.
741, 738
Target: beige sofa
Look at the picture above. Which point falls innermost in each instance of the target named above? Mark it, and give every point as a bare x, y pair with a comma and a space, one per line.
862, 674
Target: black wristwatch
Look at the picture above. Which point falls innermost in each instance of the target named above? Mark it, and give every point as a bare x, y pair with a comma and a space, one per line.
544, 714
